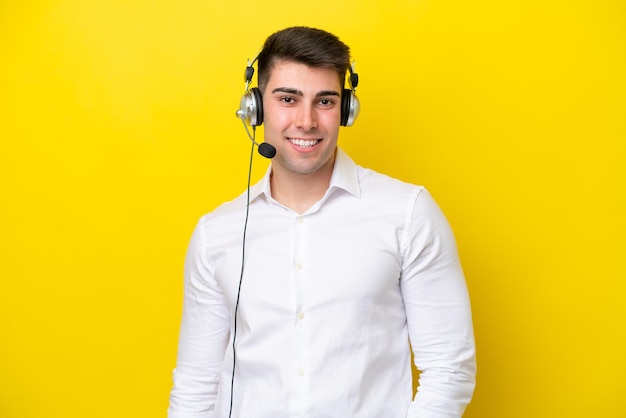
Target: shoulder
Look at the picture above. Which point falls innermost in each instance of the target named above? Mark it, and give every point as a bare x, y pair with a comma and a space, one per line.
381, 184
223, 218
393, 195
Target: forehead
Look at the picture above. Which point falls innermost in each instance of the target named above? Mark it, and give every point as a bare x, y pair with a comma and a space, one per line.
292, 74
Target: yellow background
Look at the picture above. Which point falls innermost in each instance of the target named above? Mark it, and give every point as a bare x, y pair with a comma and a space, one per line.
117, 132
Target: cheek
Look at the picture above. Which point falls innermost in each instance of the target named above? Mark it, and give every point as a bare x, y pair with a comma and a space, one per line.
332, 115
330, 120
273, 116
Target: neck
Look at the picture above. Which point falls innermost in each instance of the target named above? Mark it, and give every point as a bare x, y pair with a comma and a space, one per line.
300, 191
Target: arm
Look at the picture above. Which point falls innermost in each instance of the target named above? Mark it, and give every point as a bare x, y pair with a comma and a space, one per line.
204, 334
438, 315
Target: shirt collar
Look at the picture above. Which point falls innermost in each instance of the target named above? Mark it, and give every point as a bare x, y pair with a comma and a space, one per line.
344, 177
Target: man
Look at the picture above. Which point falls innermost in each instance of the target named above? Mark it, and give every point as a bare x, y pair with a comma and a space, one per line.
342, 267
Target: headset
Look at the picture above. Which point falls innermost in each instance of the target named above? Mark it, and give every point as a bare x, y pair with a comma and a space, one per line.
251, 105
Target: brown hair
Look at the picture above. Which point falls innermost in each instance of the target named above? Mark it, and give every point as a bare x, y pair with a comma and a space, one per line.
310, 46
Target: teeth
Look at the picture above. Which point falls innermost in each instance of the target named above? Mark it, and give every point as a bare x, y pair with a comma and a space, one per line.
304, 143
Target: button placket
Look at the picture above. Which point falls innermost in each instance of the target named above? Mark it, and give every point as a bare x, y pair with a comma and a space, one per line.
300, 344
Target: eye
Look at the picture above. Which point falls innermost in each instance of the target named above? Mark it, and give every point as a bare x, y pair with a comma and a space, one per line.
287, 99
326, 102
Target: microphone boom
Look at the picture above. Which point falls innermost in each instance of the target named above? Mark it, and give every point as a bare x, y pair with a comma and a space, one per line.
265, 149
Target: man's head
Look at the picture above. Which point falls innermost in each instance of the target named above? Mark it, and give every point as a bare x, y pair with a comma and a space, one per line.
309, 46
301, 100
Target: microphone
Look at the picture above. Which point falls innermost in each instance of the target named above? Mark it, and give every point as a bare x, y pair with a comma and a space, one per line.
265, 149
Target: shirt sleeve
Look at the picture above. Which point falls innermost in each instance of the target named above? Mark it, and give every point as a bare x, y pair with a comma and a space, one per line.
438, 314
204, 334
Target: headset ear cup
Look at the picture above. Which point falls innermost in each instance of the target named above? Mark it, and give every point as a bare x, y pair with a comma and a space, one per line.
251, 107
345, 106
257, 107
349, 107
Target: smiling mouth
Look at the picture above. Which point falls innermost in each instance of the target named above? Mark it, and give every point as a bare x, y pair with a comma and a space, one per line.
303, 143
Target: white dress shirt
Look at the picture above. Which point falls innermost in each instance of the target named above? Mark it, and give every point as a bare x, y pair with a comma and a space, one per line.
329, 300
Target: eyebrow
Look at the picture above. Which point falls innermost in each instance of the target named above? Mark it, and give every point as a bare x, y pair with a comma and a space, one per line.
297, 92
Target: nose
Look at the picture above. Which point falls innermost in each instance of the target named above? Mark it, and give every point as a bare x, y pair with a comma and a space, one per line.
306, 118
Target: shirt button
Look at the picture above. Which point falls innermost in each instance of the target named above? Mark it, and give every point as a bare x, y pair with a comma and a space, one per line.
300, 372
300, 219
298, 266
301, 315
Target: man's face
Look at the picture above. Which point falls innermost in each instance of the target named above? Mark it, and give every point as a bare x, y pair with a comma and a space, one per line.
301, 114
